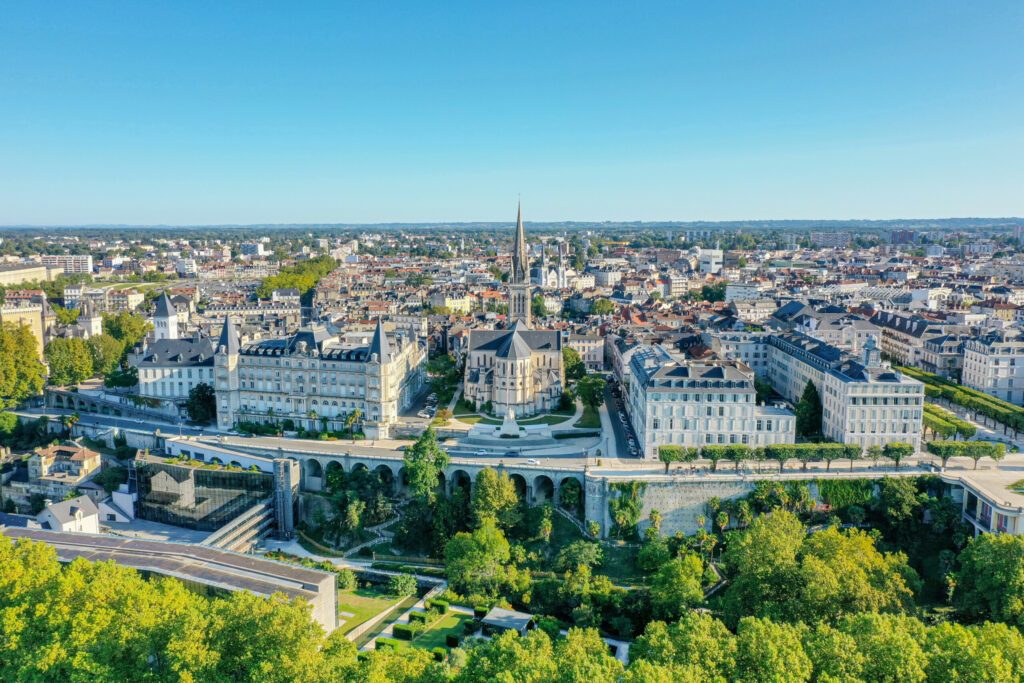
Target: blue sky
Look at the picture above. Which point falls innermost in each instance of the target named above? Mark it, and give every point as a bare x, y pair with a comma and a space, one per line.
217, 112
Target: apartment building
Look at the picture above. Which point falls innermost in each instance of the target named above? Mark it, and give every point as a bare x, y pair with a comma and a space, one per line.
699, 403
69, 263
994, 363
864, 401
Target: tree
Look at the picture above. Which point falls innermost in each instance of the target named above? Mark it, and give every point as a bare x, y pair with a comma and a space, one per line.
833, 654
574, 368
424, 461
767, 652
127, 328
583, 658
65, 316
537, 307
990, 583
510, 657
476, 561
21, 370
676, 586
897, 451
890, 645
351, 420
443, 416
808, 412
495, 497
69, 360
602, 307
106, 353
591, 390
570, 494
696, 648
654, 554
402, 584
546, 527
202, 403
578, 553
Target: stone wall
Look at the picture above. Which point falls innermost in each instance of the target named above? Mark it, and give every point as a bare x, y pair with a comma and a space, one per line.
679, 500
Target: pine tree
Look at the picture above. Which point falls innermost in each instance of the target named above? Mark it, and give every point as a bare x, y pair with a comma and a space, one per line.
808, 412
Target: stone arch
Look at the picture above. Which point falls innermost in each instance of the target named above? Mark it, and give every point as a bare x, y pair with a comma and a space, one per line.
216, 461
360, 466
403, 478
387, 477
461, 479
332, 467
313, 468
543, 489
235, 463
565, 484
522, 489
442, 482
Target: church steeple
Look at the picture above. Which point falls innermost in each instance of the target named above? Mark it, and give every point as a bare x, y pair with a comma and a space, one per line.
520, 263
519, 280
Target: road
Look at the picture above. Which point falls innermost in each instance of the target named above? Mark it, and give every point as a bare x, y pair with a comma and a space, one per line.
147, 425
620, 430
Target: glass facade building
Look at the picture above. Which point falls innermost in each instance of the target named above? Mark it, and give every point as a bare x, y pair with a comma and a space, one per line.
195, 497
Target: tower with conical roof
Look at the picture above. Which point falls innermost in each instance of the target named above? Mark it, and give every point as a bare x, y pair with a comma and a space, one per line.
519, 279
165, 319
225, 367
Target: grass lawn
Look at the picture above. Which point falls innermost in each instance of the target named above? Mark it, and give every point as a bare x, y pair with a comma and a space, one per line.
553, 419
364, 603
590, 419
449, 623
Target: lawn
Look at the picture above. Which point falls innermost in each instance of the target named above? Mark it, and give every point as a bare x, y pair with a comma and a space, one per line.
364, 604
449, 623
590, 419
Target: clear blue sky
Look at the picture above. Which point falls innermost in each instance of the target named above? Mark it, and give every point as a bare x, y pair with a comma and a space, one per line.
216, 112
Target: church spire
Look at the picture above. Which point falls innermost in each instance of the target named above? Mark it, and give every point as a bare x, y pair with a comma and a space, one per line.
520, 265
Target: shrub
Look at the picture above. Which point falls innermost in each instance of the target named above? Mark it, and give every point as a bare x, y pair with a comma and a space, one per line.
451, 640
441, 606
471, 627
480, 611
440, 654
402, 584
418, 617
387, 643
346, 579
406, 631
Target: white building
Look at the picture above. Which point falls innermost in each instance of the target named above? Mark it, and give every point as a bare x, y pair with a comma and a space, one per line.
79, 515
699, 404
994, 364
170, 368
865, 402
165, 319
70, 263
710, 261
316, 379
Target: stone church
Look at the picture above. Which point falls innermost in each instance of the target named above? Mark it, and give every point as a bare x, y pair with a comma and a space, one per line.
517, 368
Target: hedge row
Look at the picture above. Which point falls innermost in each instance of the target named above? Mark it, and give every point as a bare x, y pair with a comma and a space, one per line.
805, 452
1001, 411
387, 643
418, 617
947, 424
406, 631
438, 605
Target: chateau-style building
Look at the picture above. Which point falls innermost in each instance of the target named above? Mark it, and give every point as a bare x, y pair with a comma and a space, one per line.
315, 379
517, 369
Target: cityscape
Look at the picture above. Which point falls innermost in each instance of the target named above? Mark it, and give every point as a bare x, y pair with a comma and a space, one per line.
508, 426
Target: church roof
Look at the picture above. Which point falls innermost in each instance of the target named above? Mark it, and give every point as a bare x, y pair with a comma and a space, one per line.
379, 344
495, 340
164, 307
514, 347
228, 336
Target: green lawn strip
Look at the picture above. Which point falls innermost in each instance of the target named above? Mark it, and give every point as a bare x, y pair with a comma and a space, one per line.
434, 636
400, 608
364, 603
589, 420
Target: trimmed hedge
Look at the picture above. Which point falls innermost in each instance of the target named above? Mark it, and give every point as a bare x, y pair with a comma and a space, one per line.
440, 654
480, 611
441, 606
384, 643
451, 640
406, 631
471, 627
418, 617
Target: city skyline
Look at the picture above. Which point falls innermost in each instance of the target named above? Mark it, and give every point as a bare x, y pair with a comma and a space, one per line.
168, 115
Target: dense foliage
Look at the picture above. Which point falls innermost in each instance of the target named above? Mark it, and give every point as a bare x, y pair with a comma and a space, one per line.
21, 370
303, 276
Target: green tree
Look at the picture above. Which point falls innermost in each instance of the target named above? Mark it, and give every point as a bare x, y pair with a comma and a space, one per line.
768, 652
65, 316
808, 412
509, 658
537, 307
21, 370
897, 451
583, 658
69, 360
202, 403
990, 583
891, 646
602, 307
351, 420
106, 353
476, 562
495, 497
676, 586
696, 648
401, 585
590, 389
577, 553
833, 654
574, 368
424, 461
127, 328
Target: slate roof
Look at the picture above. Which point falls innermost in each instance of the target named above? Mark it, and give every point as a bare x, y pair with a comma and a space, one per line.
64, 511
164, 307
193, 352
496, 340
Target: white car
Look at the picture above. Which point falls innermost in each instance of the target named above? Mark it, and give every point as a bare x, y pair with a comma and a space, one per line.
533, 461
482, 452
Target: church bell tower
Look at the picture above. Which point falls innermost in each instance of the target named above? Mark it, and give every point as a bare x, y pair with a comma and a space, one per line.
519, 279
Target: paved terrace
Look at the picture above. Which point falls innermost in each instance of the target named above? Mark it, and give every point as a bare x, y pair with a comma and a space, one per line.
203, 565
